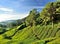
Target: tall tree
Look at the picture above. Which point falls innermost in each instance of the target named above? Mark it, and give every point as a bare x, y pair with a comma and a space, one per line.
31, 19
48, 13
52, 13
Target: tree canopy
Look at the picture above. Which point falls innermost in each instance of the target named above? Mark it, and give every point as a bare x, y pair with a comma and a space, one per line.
31, 19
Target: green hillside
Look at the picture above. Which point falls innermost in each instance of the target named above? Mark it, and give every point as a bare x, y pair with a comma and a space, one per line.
32, 35
38, 27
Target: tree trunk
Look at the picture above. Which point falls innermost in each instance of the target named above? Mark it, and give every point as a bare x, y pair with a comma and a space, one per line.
52, 23
45, 23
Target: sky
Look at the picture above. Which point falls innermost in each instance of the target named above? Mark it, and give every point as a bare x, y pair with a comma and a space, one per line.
18, 9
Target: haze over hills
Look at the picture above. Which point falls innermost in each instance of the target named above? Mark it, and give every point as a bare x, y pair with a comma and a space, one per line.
11, 23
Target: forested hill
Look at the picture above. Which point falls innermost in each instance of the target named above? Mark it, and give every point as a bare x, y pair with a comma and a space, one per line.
37, 28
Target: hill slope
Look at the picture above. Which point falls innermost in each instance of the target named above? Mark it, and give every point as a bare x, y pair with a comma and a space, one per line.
34, 35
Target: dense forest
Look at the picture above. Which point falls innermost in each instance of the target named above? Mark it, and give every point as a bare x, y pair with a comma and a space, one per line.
37, 28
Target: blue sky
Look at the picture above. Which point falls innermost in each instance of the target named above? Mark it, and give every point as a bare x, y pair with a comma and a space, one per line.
17, 9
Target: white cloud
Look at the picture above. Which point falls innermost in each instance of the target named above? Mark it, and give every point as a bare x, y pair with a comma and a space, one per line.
6, 9
10, 14
4, 17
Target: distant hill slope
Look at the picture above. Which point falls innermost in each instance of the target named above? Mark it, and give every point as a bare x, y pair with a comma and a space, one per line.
12, 22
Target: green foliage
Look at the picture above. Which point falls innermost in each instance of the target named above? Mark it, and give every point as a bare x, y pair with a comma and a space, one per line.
31, 19
51, 12
2, 30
